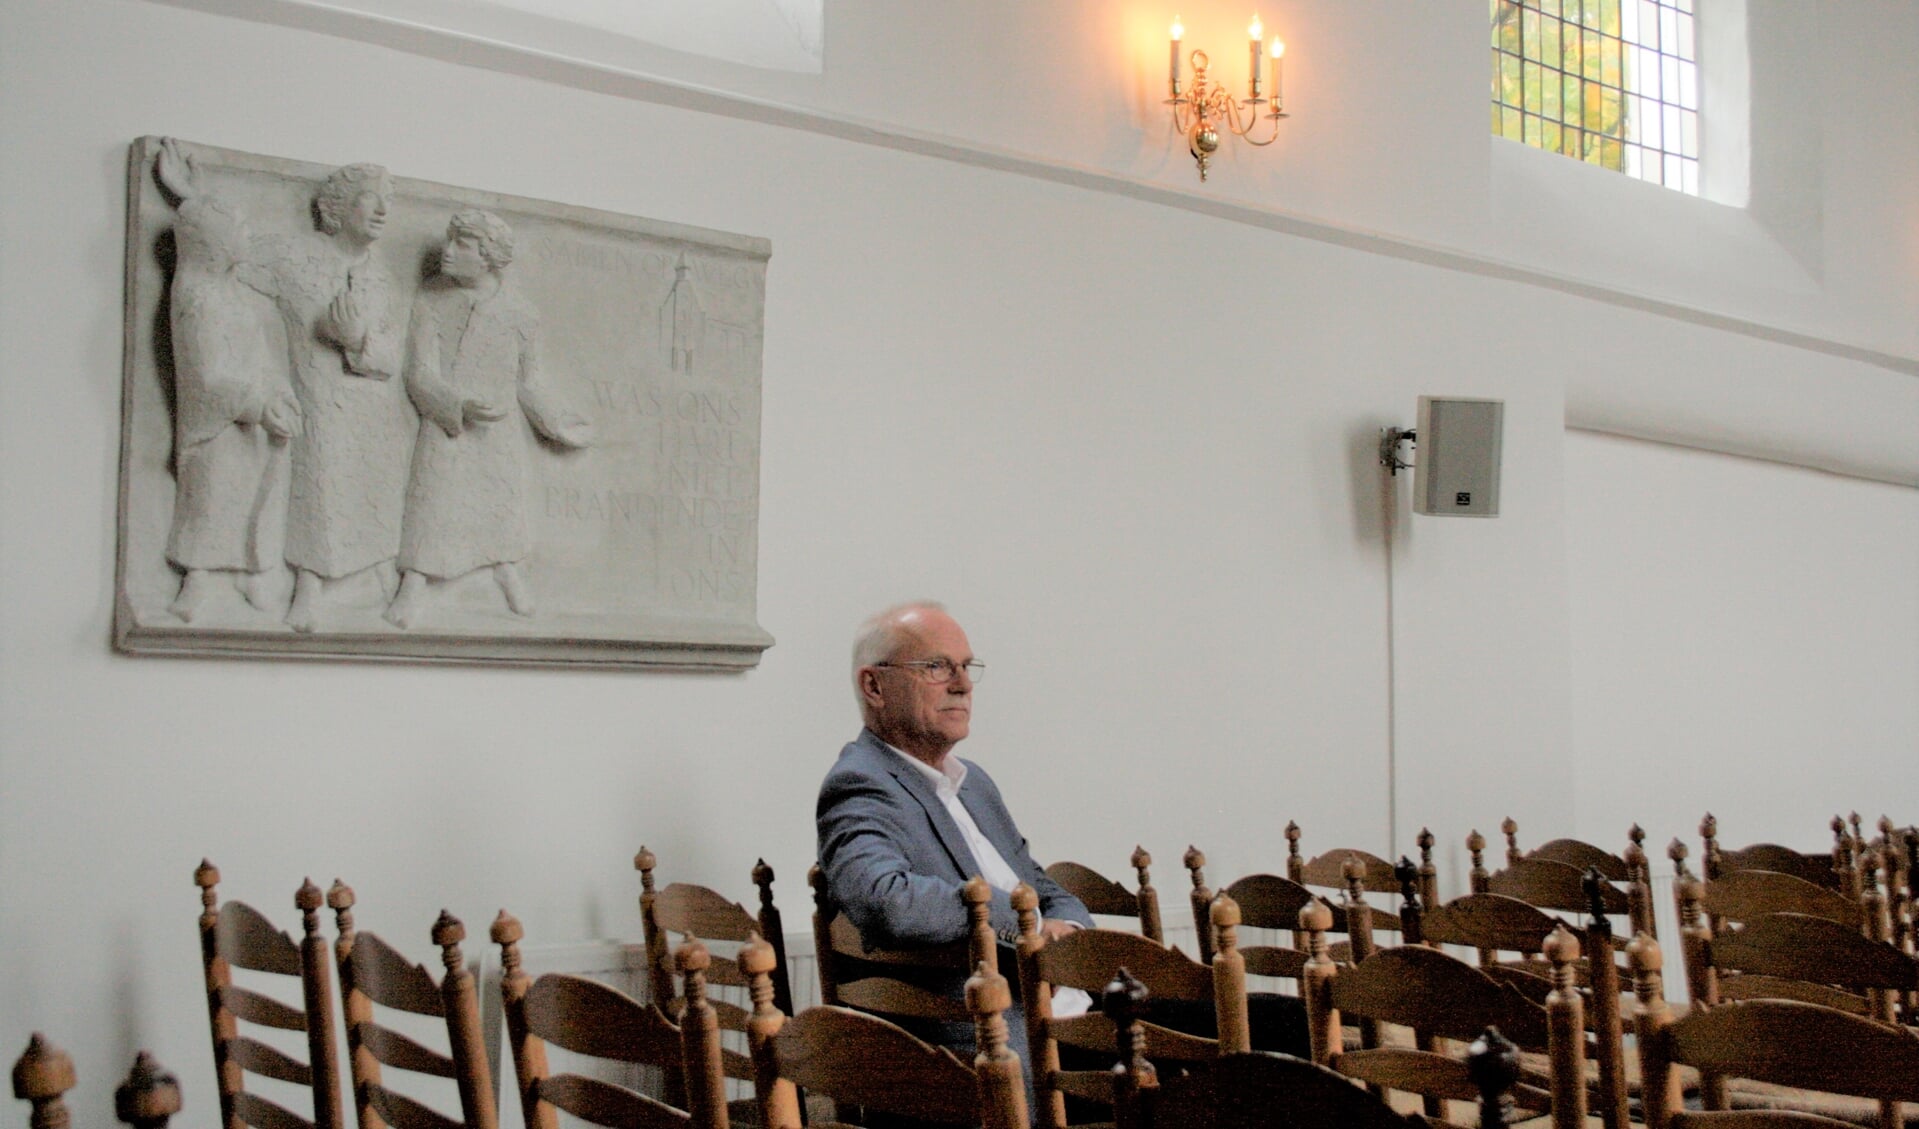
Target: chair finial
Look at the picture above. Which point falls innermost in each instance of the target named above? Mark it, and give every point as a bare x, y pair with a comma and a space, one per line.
148, 1096
506, 929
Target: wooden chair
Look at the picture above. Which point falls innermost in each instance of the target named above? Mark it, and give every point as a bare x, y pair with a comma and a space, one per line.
372, 972
865, 1062
1269, 902
1717, 861
1438, 997
1790, 955
1266, 901
1785, 1043
588, 1018
235, 935
1266, 1091
894, 982
1108, 898
702, 914
147, 1099
1089, 959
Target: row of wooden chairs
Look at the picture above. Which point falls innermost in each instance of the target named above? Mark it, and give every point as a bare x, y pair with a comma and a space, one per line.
147, 1099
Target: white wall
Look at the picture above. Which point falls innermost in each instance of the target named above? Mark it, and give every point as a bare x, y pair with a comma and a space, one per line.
1047, 404
1742, 642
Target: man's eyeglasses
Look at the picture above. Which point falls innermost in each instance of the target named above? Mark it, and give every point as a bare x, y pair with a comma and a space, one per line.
940, 671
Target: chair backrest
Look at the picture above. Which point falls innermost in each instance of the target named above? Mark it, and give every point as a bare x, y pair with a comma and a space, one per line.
372, 972
1440, 997
862, 1060
147, 1099
1267, 901
1783, 1042
1552, 885
705, 915
1717, 861
235, 935
1089, 959
1106, 897
890, 981
589, 1018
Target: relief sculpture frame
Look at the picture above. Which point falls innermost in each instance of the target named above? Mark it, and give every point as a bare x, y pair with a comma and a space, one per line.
369, 417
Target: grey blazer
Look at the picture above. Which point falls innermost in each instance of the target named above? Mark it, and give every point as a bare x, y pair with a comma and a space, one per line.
895, 860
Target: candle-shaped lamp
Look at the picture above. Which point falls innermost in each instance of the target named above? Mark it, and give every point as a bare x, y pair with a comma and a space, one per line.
1278, 51
1178, 33
1258, 34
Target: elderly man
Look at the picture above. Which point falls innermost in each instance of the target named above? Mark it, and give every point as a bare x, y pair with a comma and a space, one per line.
902, 822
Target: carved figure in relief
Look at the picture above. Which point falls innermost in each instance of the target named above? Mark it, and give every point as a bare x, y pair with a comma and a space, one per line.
349, 466
233, 408
473, 370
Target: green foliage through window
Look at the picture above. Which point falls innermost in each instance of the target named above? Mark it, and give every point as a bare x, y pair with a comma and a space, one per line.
1609, 82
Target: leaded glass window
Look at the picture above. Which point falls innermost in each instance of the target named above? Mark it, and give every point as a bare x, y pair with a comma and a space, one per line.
1608, 82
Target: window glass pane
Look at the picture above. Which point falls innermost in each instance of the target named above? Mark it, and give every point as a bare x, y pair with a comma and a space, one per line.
1549, 97
1595, 115
1569, 56
1609, 72
1612, 154
1668, 30
1569, 142
1509, 91
1646, 80
1675, 177
1550, 7
1691, 184
1669, 77
1634, 157
1629, 21
1533, 95
1549, 41
1689, 85
1685, 5
1649, 124
1591, 15
1575, 103
1688, 133
1532, 131
1670, 116
1609, 16
1589, 48
1510, 126
1649, 23
1549, 135
1634, 130
1609, 111
1685, 38
1508, 28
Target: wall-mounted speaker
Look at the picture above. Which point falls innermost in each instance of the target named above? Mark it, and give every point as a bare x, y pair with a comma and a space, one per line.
1456, 473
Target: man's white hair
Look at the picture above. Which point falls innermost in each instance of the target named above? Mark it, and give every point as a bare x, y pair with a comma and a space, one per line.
879, 638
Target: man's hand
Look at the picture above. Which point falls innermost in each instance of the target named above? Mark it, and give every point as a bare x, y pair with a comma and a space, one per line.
478, 413
347, 321
1054, 930
282, 417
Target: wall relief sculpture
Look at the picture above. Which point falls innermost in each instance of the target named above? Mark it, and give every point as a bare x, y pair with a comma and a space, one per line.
375, 417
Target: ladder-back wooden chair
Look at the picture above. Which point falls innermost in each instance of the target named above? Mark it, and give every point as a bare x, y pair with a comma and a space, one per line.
1089, 959
1108, 898
372, 972
864, 1062
1266, 1091
1270, 902
1439, 997
147, 1099
705, 915
892, 982
586, 1017
1328, 869
1717, 861
235, 935
1817, 1056
1791, 955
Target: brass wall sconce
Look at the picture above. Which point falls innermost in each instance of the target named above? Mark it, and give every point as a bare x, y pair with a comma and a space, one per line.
1201, 114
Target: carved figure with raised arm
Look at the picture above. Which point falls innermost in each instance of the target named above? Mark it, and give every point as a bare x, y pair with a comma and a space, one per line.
473, 370
234, 410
